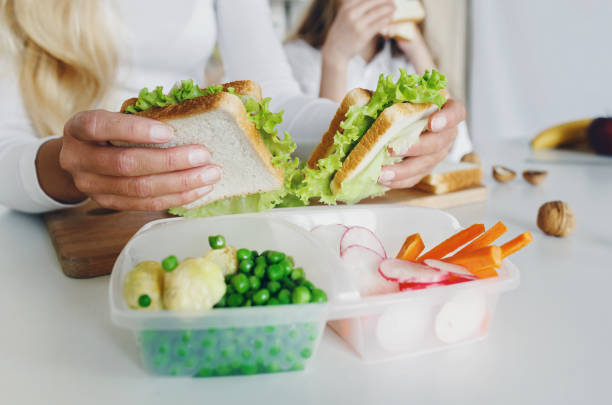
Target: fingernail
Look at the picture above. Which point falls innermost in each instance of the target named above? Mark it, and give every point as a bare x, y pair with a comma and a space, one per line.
203, 190
198, 157
161, 133
210, 175
386, 176
438, 123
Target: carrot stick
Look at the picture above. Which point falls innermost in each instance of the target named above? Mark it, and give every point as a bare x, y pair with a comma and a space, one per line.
516, 244
486, 238
478, 260
486, 273
451, 244
412, 247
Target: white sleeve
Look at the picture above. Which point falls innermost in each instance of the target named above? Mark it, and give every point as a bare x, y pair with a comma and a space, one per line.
19, 187
462, 144
305, 63
251, 50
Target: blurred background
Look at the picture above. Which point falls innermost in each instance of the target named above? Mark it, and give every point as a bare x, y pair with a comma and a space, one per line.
519, 66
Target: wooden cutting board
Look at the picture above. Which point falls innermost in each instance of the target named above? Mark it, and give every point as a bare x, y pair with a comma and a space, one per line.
88, 239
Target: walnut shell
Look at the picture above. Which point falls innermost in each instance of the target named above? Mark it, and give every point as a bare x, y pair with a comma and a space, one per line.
556, 218
472, 157
535, 177
503, 174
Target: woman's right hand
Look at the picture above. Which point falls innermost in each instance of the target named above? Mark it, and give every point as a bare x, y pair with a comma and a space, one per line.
133, 178
356, 23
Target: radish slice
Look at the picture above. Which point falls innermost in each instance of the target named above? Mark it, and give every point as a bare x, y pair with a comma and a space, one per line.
451, 268
462, 317
420, 286
362, 264
330, 234
404, 271
358, 235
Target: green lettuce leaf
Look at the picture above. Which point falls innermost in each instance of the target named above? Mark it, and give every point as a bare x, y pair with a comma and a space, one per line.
408, 88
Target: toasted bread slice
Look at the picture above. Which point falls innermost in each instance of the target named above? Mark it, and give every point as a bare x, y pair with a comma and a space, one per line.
219, 121
404, 31
356, 97
242, 87
386, 127
447, 177
408, 11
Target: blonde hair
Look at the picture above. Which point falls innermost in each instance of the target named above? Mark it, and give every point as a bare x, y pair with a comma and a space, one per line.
63, 53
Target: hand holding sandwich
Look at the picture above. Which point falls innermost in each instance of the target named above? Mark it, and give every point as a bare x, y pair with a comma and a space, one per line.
128, 178
433, 146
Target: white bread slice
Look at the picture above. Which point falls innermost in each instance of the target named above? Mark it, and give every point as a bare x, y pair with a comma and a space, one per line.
408, 11
220, 122
450, 176
357, 97
387, 126
404, 31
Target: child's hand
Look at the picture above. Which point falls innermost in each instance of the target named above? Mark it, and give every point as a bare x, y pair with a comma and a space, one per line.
356, 23
433, 146
145, 179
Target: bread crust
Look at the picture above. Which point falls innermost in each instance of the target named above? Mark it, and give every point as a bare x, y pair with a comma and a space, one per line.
242, 87
439, 183
354, 97
385, 120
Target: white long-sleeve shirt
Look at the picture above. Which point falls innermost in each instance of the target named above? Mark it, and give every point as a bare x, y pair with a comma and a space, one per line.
162, 42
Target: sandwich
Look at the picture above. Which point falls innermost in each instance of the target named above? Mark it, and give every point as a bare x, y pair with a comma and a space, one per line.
346, 164
408, 13
235, 124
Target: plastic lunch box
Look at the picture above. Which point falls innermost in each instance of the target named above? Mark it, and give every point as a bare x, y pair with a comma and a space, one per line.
231, 341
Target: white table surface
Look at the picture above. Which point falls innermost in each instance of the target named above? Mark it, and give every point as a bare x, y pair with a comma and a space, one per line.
549, 342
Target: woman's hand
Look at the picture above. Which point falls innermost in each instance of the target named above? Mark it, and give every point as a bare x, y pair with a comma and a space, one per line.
433, 146
354, 28
357, 22
147, 179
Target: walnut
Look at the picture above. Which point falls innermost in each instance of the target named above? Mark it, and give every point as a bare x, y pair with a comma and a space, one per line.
472, 157
535, 177
556, 218
503, 174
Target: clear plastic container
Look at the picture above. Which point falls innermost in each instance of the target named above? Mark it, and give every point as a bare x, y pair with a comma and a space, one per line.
377, 327
225, 341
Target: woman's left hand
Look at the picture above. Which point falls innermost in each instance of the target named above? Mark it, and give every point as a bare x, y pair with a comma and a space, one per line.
433, 146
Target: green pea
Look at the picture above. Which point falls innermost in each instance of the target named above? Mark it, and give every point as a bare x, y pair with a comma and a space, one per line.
261, 260
273, 301
228, 351
246, 265
248, 369
307, 284
288, 284
290, 260
275, 272
223, 370
273, 286
235, 300
246, 354
170, 263
306, 352
248, 303
209, 341
186, 336
287, 267
254, 283
275, 257
222, 302
161, 360
254, 254
301, 295
260, 271
284, 296
274, 350
144, 301
205, 372
243, 254
261, 297
240, 282
297, 274
176, 370
182, 351
216, 242
318, 295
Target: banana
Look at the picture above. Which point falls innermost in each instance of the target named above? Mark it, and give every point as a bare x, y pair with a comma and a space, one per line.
564, 134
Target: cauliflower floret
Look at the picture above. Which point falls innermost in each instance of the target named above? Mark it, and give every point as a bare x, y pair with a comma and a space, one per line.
196, 284
224, 258
145, 278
